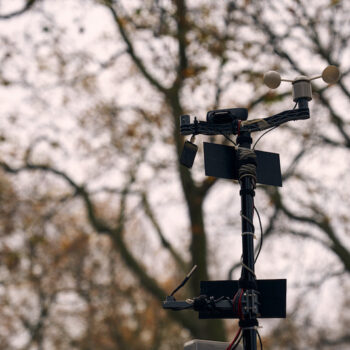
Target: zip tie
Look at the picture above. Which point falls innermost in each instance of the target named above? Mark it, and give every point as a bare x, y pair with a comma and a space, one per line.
251, 176
247, 268
253, 327
247, 219
249, 233
248, 169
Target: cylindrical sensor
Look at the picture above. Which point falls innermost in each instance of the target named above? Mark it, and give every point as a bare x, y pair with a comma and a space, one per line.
302, 89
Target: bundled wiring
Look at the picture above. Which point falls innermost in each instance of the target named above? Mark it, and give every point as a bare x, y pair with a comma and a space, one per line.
237, 303
240, 313
275, 120
247, 164
238, 126
273, 128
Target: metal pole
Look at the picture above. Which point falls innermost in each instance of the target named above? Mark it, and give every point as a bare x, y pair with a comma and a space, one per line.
247, 205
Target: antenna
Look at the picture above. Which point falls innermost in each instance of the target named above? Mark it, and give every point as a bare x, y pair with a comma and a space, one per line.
184, 281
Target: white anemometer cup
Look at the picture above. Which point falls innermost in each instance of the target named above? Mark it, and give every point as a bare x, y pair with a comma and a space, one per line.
302, 90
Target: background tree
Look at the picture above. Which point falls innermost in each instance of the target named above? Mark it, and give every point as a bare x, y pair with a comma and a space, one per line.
102, 85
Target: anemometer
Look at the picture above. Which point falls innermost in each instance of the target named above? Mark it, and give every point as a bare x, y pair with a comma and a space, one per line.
248, 298
302, 84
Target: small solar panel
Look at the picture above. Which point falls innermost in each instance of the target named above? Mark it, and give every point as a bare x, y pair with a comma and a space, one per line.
221, 161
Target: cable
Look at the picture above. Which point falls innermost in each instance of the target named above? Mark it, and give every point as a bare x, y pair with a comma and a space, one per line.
261, 344
184, 281
263, 135
261, 235
240, 313
248, 233
234, 340
223, 134
234, 304
228, 139
238, 341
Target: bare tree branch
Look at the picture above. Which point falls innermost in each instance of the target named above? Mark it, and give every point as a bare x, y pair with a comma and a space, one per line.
345, 339
116, 233
308, 235
130, 48
336, 119
294, 163
28, 5
316, 284
181, 39
316, 40
166, 244
320, 221
275, 40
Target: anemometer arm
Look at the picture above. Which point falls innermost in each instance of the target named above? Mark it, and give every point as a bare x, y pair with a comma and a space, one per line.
302, 84
234, 121
236, 126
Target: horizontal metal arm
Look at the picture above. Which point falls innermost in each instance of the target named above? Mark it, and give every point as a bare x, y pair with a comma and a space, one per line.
243, 305
275, 120
171, 304
237, 126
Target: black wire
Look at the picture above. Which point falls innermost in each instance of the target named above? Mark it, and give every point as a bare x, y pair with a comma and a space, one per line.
179, 286
227, 138
261, 345
263, 135
188, 276
238, 341
261, 235
295, 106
